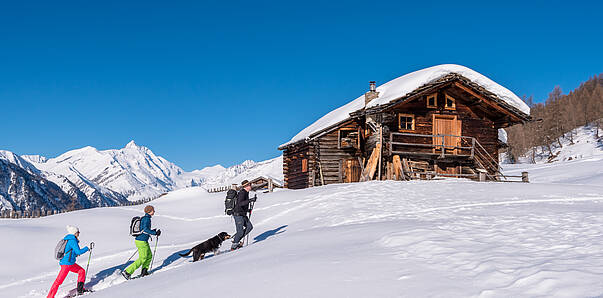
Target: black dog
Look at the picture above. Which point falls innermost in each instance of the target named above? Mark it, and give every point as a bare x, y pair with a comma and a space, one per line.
211, 244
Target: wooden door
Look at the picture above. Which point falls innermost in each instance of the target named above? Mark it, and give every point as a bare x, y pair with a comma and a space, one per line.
351, 170
449, 126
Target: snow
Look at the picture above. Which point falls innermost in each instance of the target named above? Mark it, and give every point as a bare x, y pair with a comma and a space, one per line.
110, 177
575, 163
403, 85
502, 135
248, 170
446, 238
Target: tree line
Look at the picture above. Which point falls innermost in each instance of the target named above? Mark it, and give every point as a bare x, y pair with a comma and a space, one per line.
555, 119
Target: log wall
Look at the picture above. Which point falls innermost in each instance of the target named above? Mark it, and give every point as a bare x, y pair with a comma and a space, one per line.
331, 157
293, 159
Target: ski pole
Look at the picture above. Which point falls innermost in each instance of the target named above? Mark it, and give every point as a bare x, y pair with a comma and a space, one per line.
154, 250
130, 259
89, 257
250, 210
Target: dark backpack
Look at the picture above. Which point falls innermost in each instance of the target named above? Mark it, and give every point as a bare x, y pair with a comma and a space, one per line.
135, 229
230, 202
59, 250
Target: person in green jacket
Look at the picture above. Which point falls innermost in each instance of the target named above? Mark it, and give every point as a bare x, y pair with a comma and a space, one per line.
142, 243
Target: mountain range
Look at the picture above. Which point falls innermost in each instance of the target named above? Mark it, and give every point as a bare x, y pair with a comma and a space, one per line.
88, 177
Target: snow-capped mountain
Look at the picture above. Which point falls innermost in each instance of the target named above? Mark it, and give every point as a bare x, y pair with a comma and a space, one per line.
97, 178
24, 187
133, 172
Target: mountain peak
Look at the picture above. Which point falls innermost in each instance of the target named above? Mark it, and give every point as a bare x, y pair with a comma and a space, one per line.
131, 144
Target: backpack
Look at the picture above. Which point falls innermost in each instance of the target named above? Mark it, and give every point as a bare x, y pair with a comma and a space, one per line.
230, 202
59, 250
135, 229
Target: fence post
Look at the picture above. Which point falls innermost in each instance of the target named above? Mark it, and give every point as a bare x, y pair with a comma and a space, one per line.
524, 177
482, 176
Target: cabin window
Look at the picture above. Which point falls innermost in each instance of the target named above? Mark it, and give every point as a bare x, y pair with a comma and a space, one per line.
304, 165
348, 138
406, 122
450, 102
432, 101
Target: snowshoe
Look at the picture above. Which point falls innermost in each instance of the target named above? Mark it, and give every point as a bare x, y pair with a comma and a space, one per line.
81, 290
144, 272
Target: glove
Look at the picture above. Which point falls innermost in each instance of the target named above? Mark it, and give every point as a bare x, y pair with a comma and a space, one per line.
91, 245
158, 232
254, 198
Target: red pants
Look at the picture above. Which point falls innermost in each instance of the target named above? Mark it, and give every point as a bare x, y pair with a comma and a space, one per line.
75, 268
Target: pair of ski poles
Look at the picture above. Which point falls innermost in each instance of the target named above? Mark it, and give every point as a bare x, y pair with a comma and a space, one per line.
152, 258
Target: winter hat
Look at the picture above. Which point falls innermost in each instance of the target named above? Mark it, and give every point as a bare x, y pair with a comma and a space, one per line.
72, 229
148, 209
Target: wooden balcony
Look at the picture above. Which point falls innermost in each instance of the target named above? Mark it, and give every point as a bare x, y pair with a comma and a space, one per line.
443, 147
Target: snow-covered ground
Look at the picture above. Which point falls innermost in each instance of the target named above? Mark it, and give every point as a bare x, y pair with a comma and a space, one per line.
448, 238
579, 162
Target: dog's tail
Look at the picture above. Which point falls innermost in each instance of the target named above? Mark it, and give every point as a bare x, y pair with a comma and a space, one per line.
186, 254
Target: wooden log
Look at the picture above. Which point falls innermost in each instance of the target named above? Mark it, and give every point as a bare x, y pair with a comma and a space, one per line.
371, 167
398, 168
406, 168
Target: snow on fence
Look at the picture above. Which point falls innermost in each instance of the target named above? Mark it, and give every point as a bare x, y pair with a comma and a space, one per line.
39, 213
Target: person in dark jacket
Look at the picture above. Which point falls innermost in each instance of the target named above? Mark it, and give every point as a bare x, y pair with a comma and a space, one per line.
242, 222
142, 243
72, 251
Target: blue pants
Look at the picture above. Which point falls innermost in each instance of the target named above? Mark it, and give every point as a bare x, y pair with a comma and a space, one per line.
243, 228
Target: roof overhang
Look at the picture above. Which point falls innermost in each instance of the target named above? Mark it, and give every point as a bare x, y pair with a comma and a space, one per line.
483, 95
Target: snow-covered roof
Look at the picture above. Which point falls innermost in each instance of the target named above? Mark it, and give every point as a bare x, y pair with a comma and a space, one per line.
402, 86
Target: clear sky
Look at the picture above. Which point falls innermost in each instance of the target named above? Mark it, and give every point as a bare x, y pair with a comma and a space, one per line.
218, 82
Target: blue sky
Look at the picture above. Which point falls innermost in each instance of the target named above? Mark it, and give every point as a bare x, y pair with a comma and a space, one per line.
204, 83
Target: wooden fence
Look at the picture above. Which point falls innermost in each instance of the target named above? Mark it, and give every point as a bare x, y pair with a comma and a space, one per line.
221, 188
40, 213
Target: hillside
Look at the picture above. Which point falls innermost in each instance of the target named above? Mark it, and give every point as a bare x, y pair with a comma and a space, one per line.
577, 162
448, 238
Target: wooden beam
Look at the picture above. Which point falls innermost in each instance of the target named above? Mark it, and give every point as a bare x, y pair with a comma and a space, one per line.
399, 173
486, 101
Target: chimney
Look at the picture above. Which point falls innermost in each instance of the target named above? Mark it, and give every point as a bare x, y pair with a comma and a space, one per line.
372, 94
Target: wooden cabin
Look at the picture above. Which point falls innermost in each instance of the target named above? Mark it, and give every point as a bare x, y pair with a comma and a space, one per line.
441, 121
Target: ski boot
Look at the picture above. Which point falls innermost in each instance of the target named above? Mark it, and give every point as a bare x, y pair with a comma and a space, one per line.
126, 275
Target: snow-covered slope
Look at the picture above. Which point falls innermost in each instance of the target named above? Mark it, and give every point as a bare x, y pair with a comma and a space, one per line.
577, 163
405, 84
448, 238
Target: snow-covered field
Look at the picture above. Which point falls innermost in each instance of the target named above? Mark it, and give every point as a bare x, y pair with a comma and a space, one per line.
449, 238
446, 238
